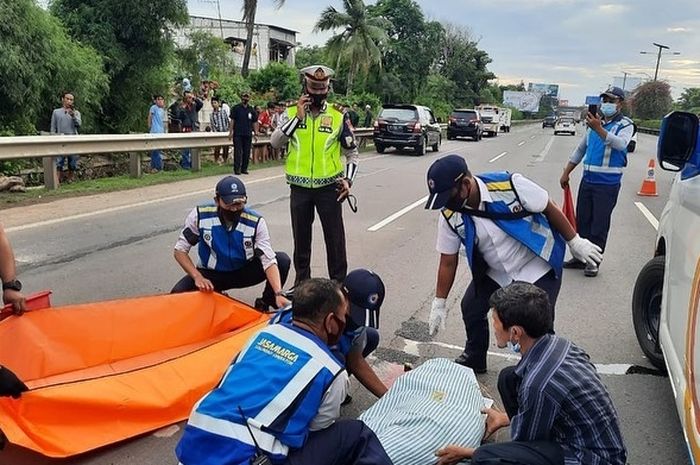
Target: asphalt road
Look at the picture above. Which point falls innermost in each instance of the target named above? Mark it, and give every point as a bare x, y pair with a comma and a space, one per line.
120, 245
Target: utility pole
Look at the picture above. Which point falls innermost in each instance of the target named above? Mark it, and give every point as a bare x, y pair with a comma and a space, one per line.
624, 79
658, 57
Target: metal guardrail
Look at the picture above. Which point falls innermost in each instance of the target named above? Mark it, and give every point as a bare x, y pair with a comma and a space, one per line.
651, 131
48, 147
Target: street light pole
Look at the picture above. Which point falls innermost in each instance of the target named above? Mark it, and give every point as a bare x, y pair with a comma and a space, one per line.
624, 79
658, 58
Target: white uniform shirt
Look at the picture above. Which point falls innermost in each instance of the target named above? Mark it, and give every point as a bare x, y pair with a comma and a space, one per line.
329, 410
507, 258
262, 240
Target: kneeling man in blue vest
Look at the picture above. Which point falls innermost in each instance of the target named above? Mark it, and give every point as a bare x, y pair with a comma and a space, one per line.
279, 401
234, 248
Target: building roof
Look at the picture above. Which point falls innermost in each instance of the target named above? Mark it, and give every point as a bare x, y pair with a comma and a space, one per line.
243, 22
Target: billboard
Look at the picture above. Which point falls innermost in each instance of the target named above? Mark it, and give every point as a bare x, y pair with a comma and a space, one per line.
547, 89
523, 101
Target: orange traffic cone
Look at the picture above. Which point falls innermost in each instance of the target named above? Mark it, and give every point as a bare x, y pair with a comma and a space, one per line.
649, 184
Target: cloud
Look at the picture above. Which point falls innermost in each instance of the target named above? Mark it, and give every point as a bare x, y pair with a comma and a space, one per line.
679, 29
612, 8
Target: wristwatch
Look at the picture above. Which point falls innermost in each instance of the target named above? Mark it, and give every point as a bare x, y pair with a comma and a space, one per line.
15, 285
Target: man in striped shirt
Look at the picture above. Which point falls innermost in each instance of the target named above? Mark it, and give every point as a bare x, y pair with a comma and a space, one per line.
219, 123
558, 409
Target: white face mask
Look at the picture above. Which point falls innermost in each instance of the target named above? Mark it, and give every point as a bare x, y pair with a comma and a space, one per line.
513, 346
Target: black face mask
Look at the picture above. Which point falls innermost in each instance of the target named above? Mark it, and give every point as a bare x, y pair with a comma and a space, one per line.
318, 99
230, 216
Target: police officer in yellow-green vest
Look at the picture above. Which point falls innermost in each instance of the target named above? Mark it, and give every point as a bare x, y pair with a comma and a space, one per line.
233, 248
316, 135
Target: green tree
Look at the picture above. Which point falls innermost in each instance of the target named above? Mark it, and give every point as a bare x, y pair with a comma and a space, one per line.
690, 99
135, 39
308, 56
438, 94
413, 49
361, 41
652, 100
205, 56
279, 78
250, 8
466, 65
39, 60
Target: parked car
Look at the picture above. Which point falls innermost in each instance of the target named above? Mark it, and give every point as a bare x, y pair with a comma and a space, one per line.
407, 126
665, 302
549, 121
567, 125
465, 123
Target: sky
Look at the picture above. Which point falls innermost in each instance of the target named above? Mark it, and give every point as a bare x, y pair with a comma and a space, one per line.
582, 45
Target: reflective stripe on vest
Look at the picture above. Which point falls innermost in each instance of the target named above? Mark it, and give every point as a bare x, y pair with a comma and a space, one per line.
533, 231
602, 164
221, 249
314, 149
279, 381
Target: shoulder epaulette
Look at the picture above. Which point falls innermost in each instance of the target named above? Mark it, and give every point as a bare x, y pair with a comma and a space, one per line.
337, 107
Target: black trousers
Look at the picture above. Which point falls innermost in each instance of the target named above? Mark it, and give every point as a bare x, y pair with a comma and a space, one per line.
345, 442
475, 308
516, 452
594, 207
250, 275
303, 204
241, 153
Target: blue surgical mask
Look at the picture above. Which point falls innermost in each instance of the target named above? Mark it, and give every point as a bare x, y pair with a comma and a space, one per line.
514, 347
608, 109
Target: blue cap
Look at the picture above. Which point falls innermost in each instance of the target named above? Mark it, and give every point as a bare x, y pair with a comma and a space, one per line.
366, 292
230, 188
614, 92
443, 175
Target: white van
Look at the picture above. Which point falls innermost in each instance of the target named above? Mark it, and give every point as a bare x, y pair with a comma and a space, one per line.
666, 299
490, 118
506, 116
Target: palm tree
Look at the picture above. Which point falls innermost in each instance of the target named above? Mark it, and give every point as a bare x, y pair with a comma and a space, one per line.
250, 7
359, 44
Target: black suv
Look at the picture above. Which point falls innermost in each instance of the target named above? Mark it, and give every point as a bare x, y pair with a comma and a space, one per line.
465, 122
406, 126
549, 121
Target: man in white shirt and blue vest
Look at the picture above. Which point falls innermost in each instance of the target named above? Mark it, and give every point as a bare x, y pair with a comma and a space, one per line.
280, 398
603, 151
511, 231
234, 248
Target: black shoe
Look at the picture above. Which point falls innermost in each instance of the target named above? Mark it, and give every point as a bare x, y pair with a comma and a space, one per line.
347, 400
236, 172
245, 172
574, 264
591, 270
479, 366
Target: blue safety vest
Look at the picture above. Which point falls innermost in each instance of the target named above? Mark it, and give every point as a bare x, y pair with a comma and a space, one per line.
222, 249
278, 380
533, 231
346, 339
602, 164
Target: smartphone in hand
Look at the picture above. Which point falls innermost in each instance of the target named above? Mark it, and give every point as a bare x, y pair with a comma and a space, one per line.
593, 103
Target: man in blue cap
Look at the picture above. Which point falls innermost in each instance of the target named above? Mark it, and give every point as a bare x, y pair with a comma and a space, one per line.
603, 151
234, 248
511, 231
365, 291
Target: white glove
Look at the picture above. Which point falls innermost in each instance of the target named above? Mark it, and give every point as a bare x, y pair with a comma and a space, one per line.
438, 315
585, 250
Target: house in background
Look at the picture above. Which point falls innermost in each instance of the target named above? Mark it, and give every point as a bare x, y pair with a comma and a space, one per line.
270, 43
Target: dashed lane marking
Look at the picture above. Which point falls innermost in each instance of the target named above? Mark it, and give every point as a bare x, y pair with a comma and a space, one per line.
649, 215
397, 215
521, 143
498, 157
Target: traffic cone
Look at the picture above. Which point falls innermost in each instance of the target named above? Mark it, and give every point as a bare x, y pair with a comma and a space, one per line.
649, 184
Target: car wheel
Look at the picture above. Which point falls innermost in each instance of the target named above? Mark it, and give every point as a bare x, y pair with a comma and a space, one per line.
646, 309
436, 145
420, 149
379, 148
450, 137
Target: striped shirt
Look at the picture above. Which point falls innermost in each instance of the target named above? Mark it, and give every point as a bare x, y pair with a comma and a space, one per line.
219, 121
436, 404
561, 398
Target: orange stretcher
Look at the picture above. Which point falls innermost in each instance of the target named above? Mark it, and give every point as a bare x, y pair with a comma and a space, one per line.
102, 372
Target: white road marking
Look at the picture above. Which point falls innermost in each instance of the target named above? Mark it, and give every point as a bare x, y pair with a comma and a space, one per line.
80, 216
649, 216
166, 432
498, 156
533, 136
545, 151
397, 215
413, 348
522, 142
